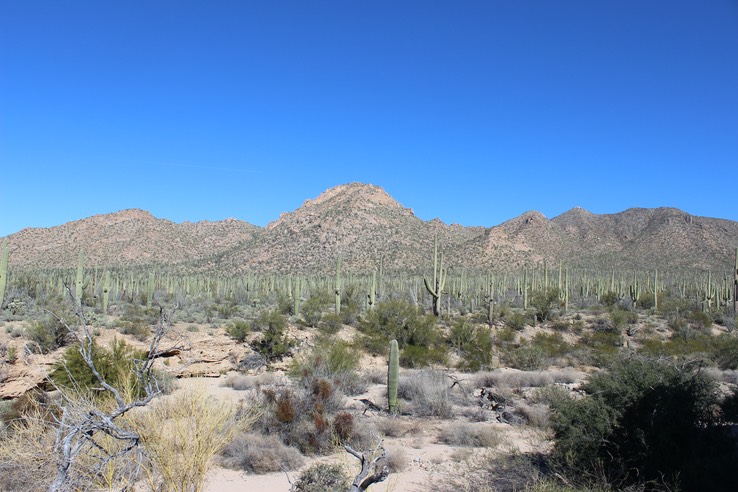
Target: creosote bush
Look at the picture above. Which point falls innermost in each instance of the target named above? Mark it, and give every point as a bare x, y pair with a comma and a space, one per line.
646, 422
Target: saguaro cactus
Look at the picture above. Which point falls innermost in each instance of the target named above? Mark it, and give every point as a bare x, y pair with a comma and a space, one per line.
439, 279
106, 292
735, 285
3, 270
393, 374
337, 290
79, 286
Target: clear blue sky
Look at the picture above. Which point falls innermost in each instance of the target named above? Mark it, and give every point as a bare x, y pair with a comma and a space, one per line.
470, 111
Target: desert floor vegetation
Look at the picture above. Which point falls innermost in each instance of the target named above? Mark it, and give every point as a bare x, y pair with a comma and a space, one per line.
533, 391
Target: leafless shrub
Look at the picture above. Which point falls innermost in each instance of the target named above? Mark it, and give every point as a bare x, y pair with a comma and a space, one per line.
470, 435
527, 379
535, 414
428, 391
396, 460
241, 382
375, 376
256, 453
391, 427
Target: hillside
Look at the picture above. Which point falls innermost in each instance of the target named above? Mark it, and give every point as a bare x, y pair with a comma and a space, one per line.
367, 227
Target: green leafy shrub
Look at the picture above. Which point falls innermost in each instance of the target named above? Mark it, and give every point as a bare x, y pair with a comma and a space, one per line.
645, 422
312, 309
609, 299
274, 342
114, 363
516, 321
238, 330
473, 344
544, 302
398, 320
332, 360
330, 324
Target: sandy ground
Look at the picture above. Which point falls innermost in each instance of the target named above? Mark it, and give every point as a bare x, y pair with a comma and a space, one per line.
424, 458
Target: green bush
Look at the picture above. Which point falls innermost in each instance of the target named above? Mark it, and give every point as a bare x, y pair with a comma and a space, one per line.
238, 330
646, 422
473, 344
312, 309
114, 363
417, 356
330, 324
516, 321
544, 302
332, 360
398, 320
609, 299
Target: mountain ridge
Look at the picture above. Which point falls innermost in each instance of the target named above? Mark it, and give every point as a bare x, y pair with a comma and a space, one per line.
365, 226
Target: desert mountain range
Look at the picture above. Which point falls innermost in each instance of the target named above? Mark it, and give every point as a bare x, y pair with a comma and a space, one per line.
366, 226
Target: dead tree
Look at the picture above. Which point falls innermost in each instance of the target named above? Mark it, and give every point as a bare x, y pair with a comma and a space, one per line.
373, 467
84, 430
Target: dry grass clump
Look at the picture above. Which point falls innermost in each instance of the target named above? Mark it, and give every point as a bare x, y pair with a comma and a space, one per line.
396, 460
470, 435
527, 379
26, 460
391, 427
375, 375
256, 453
428, 391
242, 382
182, 432
535, 414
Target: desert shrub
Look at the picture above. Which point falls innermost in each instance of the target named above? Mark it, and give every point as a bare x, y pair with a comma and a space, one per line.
331, 360
700, 320
238, 330
553, 345
544, 302
312, 309
48, 334
601, 345
396, 460
274, 342
464, 434
535, 414
181, 433
646, 300
645, 421
397, 319
322, 477
428, 390
136, 321
330, 324
417, 356
618, 319
473, 344
256, 453
269, 320
527, 357
551, 395
114, 363
516, 321
609, 299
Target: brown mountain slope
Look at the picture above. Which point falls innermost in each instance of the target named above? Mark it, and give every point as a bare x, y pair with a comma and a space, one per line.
359, 222
127, 238
366, 227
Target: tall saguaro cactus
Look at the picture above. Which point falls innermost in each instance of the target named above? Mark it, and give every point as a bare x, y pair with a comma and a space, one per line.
106, 292
439, 279
3, 270
337, 290
735, 285
79, 286
393, 374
